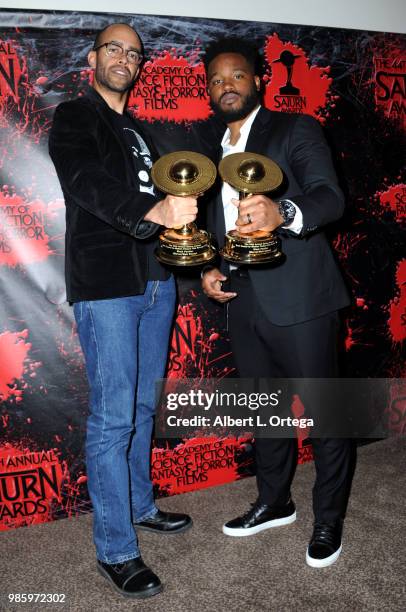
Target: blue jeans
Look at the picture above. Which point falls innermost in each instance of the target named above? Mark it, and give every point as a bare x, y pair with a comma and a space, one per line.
125, 343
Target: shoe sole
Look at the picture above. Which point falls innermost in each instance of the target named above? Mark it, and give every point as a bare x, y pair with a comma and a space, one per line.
323, 562
172, 532
150, 593
240, 532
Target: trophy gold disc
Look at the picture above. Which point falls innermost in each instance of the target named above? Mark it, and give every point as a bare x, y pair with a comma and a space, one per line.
184, 173
250, 174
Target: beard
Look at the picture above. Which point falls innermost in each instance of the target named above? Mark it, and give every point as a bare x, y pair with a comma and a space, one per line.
249, 102
105, 81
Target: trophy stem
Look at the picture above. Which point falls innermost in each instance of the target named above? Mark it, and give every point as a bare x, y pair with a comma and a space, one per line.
241, 196
244, 194
186, 230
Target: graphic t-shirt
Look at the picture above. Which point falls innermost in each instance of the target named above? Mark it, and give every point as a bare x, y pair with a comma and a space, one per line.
140, 154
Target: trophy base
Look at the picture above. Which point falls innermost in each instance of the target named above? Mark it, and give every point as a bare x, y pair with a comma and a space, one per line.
184, 247
249, 249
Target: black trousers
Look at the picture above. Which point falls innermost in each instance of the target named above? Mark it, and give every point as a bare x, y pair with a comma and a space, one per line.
304, 350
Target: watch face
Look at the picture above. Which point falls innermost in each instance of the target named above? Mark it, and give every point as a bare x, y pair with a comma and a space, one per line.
287, 210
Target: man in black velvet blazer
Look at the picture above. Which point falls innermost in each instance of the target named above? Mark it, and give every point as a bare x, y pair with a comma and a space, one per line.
123, 300
282, 318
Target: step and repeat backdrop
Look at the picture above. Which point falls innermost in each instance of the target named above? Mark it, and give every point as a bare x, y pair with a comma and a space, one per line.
352, 82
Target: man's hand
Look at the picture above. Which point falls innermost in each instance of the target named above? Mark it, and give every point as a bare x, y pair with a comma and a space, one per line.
211, 284
173, 211
257, 212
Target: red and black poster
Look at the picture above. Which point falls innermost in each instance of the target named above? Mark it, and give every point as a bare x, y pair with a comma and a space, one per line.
352, 82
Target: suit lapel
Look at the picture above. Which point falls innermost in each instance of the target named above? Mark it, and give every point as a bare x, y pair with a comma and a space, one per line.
216, 221
259, 134
104, 112
220, 223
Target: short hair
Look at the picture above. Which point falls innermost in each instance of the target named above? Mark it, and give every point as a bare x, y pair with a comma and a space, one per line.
233, 45
99, 35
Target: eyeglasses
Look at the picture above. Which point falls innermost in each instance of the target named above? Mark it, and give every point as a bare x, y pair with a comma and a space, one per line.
117, 51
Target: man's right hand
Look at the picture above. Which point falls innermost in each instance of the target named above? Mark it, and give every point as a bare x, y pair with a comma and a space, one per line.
173, 211
212, 282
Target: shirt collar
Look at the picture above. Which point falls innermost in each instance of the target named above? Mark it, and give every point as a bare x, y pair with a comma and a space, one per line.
245, 128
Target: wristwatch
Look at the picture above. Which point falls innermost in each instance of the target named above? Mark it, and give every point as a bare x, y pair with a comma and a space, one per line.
287, 210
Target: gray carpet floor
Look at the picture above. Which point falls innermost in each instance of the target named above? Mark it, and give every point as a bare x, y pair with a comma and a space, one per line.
206, 571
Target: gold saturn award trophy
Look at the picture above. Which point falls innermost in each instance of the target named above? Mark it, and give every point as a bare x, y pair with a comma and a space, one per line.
250, 174
184, 173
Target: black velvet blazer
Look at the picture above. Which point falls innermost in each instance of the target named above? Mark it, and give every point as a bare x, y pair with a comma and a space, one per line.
105, 255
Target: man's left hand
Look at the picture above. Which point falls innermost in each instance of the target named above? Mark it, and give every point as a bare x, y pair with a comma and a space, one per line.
257, 212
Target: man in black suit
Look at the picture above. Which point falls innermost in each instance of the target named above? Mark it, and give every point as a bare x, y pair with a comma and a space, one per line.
282, 319
123, 300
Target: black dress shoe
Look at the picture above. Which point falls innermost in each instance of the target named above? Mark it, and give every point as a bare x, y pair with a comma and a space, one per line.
260, 517
166, 522
131, 578
325, 544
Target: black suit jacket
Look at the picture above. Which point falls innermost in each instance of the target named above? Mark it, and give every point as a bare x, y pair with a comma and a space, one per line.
307, 283
105, 257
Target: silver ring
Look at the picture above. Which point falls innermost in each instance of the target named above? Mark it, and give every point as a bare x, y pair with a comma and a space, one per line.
249, 218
